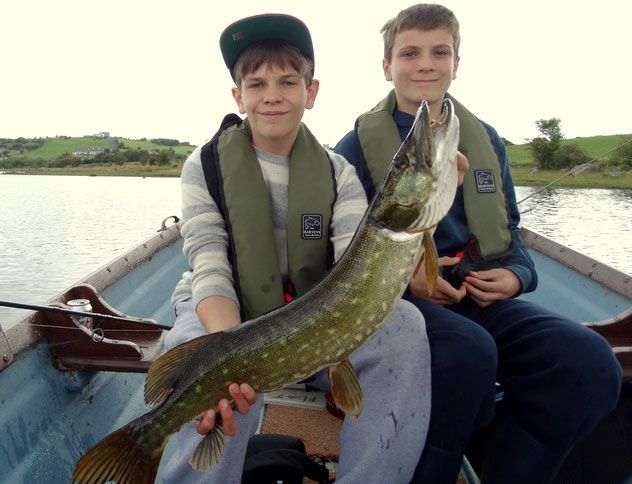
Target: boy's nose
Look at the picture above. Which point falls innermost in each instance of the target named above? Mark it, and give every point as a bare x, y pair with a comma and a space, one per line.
425, 63
272, 95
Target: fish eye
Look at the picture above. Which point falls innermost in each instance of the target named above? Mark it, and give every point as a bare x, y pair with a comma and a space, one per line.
401, 162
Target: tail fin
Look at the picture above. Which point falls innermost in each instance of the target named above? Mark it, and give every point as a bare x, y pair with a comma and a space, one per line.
117, 458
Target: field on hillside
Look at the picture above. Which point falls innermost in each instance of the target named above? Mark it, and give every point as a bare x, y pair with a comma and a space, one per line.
147, 145
54, 147
598, 147
58, 146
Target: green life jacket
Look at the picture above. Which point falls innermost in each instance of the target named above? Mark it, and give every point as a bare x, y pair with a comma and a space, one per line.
236, 183
484, 199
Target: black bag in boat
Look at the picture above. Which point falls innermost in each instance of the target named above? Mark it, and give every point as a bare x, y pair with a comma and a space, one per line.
275, 458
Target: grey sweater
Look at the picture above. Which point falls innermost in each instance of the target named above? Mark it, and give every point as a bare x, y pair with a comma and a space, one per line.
204, 230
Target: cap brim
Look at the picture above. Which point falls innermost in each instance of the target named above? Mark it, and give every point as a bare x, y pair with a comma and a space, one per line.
239, 35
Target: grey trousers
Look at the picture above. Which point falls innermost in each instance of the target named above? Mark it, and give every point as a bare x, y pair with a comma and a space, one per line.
382, 446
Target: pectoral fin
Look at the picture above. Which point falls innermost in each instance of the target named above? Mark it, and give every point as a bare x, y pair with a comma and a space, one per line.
210, 450
165, 371
431, 263
345, 388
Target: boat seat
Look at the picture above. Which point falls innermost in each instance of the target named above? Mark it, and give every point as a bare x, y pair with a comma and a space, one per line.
618, 333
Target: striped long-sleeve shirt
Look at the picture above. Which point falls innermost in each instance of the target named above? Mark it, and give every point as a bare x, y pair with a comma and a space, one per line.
204, 230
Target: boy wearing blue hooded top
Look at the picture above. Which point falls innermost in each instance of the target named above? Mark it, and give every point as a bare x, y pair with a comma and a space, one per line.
559, 378
241, 219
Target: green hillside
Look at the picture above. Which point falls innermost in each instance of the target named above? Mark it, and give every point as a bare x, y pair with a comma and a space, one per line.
595, 147
54, 147
148, 145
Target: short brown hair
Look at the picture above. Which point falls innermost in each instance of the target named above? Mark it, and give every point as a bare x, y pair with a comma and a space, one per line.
423, 16
274, 52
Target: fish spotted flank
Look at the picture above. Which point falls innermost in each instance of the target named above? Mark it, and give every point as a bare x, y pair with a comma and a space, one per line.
319, 330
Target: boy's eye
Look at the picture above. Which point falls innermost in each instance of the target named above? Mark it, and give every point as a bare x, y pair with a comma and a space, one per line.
255, 85
408, 54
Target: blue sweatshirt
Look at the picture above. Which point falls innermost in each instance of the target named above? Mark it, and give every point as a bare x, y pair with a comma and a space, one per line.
452, 233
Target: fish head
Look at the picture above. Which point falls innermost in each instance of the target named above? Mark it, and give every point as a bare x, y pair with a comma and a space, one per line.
421, 181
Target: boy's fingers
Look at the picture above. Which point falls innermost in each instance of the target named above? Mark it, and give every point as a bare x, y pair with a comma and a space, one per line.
462, 166
249, 393
242, 402
206, 423
447, 261
229, 424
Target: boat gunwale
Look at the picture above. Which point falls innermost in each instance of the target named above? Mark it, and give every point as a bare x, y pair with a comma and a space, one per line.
25, 332
609, 277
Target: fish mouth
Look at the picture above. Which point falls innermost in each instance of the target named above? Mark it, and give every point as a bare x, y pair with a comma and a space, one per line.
418, 145
420, 184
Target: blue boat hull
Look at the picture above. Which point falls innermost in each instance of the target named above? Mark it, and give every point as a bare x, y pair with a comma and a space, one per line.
50, 417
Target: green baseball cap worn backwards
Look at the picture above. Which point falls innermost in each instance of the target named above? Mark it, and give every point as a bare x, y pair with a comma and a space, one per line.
239, 35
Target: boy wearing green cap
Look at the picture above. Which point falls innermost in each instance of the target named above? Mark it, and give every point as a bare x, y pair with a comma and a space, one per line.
479, 332
265, 207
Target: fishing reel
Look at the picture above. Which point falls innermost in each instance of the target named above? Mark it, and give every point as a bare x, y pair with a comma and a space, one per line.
455, 274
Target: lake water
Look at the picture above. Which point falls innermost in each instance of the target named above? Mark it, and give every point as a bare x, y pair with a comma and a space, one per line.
596, 222
54, 230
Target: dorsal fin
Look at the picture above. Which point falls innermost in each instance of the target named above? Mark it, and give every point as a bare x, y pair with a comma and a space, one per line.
164, 372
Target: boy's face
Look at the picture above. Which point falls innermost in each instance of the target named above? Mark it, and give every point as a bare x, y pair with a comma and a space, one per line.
422, 66
274, 99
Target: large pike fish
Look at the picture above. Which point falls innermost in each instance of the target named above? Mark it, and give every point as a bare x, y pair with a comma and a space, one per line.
318, 330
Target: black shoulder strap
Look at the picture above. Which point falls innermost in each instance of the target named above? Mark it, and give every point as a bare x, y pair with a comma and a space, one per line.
330, 245
209, 160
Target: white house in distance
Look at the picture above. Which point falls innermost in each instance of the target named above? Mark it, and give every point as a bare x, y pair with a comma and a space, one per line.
87, 151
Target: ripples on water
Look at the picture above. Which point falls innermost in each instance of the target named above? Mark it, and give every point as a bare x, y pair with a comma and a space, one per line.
596, 222
55, 230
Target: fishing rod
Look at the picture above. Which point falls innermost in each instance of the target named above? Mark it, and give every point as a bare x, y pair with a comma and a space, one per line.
574, 170
60, 310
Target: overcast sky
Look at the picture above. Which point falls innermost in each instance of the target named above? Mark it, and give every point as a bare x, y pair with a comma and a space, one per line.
152, 68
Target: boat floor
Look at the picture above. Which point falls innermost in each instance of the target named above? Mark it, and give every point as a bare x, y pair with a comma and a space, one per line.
317, 428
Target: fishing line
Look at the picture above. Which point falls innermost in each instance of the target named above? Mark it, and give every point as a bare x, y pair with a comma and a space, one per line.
574, 170
102, 317
107, 330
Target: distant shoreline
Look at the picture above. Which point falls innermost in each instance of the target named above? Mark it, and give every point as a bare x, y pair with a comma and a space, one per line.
133, 169
527, 176
522, 175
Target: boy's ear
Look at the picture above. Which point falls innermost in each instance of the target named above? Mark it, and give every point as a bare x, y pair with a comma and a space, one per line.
238, 99
456, 66
386, 65
312, 92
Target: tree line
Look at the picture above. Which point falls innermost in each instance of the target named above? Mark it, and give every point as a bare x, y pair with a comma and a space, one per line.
119, 157
21, 145
549, 153
107, 156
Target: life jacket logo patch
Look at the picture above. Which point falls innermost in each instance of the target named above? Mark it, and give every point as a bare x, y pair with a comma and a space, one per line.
485, 181
312, 226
